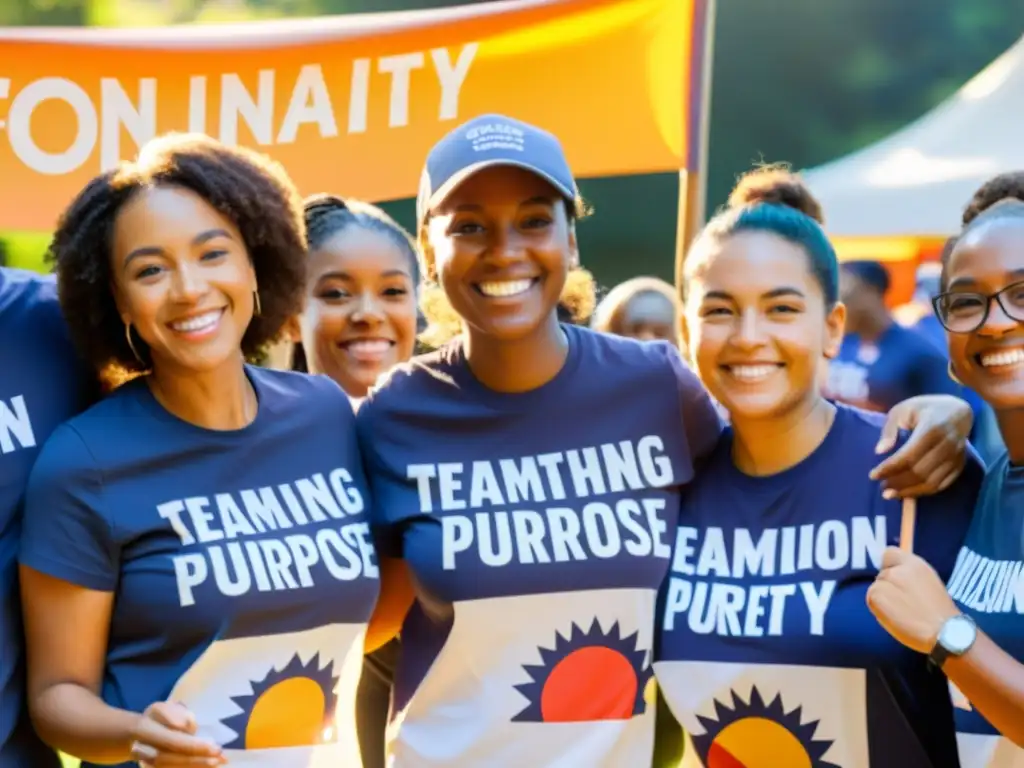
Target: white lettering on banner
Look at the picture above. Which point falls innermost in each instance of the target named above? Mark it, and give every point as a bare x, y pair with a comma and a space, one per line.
237, 562
533, 527
132, 105
15, 426
987, 586
699, 595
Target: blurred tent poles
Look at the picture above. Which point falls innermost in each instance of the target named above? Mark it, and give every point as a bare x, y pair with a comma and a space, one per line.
898, 200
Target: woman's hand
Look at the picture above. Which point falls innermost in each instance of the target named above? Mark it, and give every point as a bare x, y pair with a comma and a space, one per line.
934, 454
909, 600
165, 737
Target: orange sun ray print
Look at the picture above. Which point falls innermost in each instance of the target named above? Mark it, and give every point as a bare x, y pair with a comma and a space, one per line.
279, 700
591, 675
293, 707
759, 735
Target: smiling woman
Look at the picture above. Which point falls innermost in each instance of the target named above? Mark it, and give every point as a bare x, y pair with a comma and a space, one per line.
209, 508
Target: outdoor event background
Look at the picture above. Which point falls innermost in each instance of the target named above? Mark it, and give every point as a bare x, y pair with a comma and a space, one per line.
802, 81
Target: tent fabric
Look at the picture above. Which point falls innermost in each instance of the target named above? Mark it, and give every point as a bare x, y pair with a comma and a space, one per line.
917, 181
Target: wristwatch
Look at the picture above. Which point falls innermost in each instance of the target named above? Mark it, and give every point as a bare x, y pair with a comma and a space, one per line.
955, 639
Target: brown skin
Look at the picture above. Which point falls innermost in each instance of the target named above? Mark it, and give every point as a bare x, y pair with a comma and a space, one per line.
173, 257
647, 316
908, 598
502, 224
755, 304
360, 289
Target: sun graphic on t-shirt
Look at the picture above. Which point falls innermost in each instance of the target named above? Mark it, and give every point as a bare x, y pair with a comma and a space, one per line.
292, 707
592, 675
758, 736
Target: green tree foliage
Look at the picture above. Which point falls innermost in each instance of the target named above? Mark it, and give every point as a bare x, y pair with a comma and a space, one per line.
807, 81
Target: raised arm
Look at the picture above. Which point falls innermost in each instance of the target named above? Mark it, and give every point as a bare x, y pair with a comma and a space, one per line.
910, 601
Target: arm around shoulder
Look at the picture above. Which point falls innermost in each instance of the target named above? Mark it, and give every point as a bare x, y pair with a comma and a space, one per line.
702, 422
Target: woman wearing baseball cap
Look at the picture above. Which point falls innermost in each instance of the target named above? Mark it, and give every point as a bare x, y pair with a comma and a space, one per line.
530, 490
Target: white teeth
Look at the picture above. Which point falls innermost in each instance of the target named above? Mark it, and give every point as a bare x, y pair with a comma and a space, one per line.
1006, 357
752, 372
505, 288
197, 323
371, 346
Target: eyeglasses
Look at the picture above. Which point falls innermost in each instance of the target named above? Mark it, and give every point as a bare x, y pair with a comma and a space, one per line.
963, 312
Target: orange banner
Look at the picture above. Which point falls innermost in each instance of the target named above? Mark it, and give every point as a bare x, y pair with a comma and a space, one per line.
351, 104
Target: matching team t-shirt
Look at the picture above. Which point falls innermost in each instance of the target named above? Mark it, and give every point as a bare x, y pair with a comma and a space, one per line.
898, 365
42, 385
766, 651
538, 527
241, 561
988, 584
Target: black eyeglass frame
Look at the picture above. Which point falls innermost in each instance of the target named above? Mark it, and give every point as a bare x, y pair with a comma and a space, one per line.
985, 297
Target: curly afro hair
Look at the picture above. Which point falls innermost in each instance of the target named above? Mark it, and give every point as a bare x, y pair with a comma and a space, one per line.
248, 188
998, 189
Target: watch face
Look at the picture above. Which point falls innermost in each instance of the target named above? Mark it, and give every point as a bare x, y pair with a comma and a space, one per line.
958, 634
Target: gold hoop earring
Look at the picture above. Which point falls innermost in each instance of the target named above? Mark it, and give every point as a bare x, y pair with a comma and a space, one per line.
952, 373
131, 344
257, 310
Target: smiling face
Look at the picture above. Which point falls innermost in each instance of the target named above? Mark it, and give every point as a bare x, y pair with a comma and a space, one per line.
182, 278
502, 245
990, 360
360, 317
756, 324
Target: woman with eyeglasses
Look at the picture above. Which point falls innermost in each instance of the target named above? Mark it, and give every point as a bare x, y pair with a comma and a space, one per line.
974, 631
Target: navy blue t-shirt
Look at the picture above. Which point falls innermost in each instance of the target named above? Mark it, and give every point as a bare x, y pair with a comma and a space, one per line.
900, 364
988, 584
42, 383
767, 653
241, 561
538, 528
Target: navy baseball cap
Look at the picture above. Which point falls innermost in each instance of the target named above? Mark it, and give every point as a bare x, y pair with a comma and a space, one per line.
487, 141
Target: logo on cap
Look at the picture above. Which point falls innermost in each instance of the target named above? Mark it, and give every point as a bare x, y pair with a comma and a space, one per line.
496, 136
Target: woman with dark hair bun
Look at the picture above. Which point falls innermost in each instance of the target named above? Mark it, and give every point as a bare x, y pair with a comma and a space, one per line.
766, 651
200, 529
360, 320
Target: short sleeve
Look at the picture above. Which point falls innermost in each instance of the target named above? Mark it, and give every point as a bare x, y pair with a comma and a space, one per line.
386, 486
65, 533
944, 519
702, 422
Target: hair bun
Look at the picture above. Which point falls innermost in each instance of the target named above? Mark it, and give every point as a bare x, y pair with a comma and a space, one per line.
325, 202
999, 189
777, 185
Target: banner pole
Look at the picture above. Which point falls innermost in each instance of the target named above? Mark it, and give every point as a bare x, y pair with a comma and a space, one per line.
693, 179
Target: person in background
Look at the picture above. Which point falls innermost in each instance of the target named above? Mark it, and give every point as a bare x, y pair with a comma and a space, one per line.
202, 528
764, 616
43, 384
644, 308
360, 319
973, 625
880, 363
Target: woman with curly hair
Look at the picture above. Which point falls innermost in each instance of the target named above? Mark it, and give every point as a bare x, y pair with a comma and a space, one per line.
201, 532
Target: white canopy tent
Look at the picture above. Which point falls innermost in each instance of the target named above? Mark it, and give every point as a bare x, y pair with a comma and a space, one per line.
915, 183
